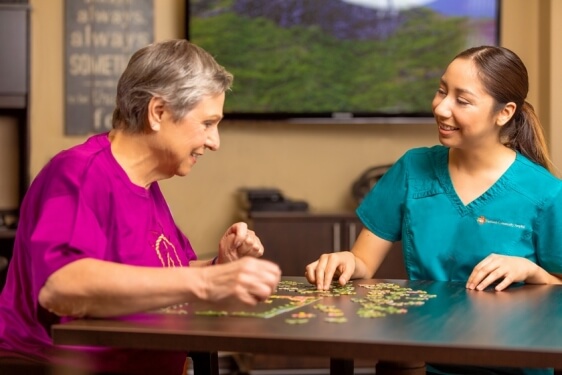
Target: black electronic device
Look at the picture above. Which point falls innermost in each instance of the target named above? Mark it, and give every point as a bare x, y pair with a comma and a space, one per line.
269, 199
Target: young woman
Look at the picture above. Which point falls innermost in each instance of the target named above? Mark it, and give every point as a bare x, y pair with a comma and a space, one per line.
482, 207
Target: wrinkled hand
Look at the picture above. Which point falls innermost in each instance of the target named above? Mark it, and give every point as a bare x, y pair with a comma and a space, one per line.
329, 267
248, 280
238, 242
494, 267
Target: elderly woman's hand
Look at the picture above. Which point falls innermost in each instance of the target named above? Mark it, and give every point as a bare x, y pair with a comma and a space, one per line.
238, 242
248, 280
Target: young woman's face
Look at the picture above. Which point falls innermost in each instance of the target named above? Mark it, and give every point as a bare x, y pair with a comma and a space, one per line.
188, 138
464, 111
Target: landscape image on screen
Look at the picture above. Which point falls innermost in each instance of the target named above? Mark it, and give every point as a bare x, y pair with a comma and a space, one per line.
306, 58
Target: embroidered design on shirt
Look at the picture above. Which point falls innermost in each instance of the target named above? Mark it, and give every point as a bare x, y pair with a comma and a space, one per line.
164, 246
483, 220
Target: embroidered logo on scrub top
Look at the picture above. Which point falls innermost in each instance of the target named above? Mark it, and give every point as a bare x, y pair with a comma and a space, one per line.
483, 220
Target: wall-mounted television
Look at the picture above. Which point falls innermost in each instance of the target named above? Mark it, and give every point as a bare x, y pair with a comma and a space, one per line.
338, 60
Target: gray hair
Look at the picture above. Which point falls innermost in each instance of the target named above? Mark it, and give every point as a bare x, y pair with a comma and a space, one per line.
177, 71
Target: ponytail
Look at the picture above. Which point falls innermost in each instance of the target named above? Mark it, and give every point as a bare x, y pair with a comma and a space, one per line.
505, 78
524, 134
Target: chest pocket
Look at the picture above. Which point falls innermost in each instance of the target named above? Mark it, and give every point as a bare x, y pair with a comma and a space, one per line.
427, 203
425, 188
428, 216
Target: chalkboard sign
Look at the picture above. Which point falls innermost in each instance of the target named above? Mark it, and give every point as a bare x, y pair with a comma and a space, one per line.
100, 38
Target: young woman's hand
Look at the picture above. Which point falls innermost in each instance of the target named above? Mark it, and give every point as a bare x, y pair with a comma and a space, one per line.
328, 267
505, 270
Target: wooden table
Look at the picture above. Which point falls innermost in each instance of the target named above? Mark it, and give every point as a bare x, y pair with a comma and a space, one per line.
519, 327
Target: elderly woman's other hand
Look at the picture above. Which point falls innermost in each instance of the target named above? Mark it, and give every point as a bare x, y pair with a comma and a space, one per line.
239, 241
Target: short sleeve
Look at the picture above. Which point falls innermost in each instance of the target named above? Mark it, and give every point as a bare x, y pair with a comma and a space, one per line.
66, 230
549, 236
381, 211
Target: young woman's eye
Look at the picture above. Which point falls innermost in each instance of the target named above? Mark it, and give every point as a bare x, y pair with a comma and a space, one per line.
441, 92
462, 101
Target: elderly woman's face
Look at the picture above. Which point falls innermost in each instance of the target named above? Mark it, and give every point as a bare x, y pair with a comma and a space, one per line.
197, 131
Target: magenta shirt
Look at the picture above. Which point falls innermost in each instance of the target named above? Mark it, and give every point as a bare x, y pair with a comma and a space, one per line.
81, 205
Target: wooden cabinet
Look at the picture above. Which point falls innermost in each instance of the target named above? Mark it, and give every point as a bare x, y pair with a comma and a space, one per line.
14, 118
295, 239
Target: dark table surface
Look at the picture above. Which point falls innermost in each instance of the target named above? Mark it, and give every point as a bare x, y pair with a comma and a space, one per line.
519, 327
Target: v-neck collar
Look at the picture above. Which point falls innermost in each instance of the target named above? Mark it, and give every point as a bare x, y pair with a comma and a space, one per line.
444, 178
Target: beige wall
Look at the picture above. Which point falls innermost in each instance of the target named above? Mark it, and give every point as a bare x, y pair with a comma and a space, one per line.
313, 162
554, 80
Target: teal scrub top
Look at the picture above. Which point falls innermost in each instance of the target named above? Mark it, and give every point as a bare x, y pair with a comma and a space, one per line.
443, 239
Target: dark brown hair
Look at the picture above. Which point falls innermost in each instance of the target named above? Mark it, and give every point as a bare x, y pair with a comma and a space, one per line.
505, 78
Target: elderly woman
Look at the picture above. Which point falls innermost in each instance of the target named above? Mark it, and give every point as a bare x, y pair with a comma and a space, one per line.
96, 237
